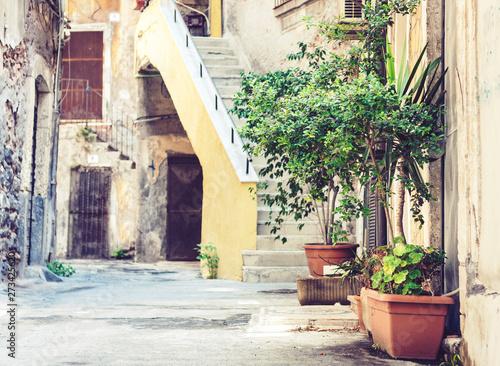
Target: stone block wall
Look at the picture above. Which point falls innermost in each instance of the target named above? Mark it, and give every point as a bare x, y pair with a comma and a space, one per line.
29, 48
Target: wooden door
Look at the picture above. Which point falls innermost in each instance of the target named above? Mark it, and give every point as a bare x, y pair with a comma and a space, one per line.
184, 207
89, 212
82, 68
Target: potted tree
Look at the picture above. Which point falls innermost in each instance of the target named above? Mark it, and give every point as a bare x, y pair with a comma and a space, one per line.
289, 120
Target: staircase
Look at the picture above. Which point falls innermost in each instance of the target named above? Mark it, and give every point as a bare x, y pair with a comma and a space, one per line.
272, 261
114, 127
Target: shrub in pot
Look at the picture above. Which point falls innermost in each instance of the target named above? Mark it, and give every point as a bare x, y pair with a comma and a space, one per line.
290, 116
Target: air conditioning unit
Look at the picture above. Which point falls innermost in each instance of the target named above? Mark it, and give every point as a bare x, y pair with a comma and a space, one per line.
352, 10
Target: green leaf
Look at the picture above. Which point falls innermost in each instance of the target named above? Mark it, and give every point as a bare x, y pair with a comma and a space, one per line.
414, 258
401, 250
400, 277
414, 274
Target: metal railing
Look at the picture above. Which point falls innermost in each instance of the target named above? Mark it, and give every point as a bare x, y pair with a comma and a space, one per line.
203, 73
80, 104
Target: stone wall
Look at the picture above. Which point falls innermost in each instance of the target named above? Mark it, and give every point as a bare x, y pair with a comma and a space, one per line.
159, 137
29, 48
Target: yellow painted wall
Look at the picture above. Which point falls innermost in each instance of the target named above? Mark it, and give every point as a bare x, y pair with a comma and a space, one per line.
229, 212
216, 18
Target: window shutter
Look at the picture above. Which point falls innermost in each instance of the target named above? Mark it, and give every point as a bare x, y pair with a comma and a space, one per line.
351, 10
375, 224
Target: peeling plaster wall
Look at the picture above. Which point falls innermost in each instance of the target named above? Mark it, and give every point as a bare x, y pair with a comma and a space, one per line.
117, 20
472, 53
75, 151
28, 42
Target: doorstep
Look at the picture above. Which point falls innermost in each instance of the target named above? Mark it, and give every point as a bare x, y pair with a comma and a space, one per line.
317, 317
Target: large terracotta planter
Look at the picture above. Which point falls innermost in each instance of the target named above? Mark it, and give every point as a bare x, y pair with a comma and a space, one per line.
365, 311
334, 254
326, 290
408, 326
359, 309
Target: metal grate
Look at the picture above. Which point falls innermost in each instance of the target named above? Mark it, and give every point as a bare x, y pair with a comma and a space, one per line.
352, 9
89, 212
280, 2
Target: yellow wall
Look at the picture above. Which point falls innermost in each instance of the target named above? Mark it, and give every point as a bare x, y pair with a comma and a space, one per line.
229, 212
216, 18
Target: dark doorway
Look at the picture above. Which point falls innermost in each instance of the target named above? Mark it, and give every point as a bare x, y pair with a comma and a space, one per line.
82, 77
89, 212
184, 207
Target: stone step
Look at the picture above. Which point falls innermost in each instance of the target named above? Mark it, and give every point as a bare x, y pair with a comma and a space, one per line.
221, 60
223, 70
211, 42
207, 51
227, 80
227, 91
255, 274
271, 258
289, 228
294, 242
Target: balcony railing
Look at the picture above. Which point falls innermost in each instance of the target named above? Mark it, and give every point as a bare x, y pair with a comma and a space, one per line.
80, 104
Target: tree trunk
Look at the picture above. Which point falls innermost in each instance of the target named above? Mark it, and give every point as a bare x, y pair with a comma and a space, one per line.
400, 203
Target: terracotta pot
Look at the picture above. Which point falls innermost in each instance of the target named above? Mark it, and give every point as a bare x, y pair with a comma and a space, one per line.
408, 326
365, 311
325, 290
334, 254
362, 327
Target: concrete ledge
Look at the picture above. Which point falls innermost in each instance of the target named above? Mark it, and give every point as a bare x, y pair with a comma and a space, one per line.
289, 317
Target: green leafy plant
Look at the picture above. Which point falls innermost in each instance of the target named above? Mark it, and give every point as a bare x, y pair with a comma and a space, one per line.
60, 269
407, 269
209, 258
346, 119
121, 253
87, 134
455, 361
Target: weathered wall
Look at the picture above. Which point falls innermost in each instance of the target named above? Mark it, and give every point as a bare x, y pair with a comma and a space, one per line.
474, 31
29, 49
265, 36
118, 20
159, 137
75, 151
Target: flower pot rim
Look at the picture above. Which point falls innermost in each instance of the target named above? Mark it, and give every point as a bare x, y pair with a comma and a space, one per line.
416, 299
340, 245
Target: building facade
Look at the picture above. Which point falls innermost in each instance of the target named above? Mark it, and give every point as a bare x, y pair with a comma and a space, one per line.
31, 41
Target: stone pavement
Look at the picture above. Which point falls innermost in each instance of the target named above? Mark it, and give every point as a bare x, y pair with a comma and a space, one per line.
125, 313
